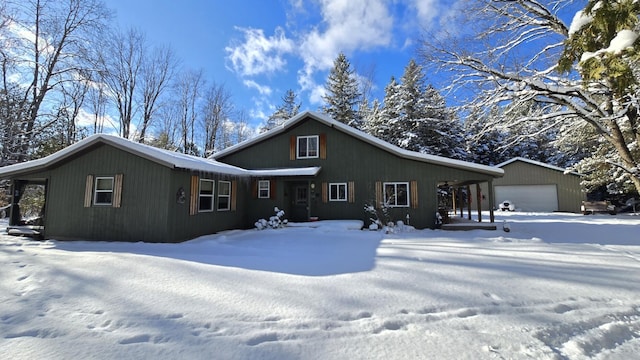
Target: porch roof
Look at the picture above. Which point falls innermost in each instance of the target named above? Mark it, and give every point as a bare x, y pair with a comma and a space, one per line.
305, 171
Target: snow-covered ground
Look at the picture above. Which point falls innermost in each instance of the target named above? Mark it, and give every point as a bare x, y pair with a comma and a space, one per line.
558, 286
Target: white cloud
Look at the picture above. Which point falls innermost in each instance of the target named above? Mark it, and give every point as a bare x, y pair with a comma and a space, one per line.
259, 54
426, 10
262, 89
350, 26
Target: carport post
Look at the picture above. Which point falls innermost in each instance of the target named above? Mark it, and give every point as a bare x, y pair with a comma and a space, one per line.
492, 202
479, 202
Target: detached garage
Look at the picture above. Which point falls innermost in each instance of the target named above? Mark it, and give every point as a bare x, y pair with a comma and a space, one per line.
538, 187
541, 198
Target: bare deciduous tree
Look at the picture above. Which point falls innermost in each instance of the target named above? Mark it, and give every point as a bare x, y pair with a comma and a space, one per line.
509, 52
188, 90
216, 109
158, 70
59, 37
121, 62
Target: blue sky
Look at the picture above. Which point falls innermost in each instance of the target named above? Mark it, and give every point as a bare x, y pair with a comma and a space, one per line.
260, 49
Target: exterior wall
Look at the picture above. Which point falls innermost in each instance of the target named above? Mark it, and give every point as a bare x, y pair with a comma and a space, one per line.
149, 209
184, 226
348, 159
570, 195
142, 215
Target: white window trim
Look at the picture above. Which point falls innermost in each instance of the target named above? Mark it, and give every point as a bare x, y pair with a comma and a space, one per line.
308, 137
96, 191
395, 193
261, 188
212, 195
338, 185
228, 196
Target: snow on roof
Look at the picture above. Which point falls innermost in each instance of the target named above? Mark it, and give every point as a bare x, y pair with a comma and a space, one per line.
538, 163
305, 171
432, 159
164, 157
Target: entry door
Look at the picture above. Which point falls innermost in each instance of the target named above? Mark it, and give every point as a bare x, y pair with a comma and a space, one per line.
300, 206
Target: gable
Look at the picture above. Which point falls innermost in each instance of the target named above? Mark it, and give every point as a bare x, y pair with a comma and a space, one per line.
251, 154
522, 172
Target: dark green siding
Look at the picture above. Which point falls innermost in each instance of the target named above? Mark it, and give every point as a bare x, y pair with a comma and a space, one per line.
149, 210
142, 216
348, 159
184, 226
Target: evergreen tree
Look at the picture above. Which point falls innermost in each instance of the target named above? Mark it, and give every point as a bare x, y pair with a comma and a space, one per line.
387, 127
413, 115
288, 109
443, 131
342, 93
484, 144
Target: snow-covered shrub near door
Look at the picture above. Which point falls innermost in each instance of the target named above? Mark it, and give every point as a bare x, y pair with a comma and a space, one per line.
274, 221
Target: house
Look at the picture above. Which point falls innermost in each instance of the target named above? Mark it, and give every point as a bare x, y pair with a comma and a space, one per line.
108, 188
312, 167
536, 186
355, 169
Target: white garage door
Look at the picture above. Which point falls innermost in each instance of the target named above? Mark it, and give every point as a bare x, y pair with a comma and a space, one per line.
543, 198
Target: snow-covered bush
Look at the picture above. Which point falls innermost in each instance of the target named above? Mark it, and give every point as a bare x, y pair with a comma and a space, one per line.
275, 222
379, 217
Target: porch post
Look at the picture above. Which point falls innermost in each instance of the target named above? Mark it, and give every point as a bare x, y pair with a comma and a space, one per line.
17, 188
479, 202
492, 201
469, 202
454, 201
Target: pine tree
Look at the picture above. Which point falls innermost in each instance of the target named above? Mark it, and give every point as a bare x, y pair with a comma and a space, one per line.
342, 93
288, 109
443, 131
387, 127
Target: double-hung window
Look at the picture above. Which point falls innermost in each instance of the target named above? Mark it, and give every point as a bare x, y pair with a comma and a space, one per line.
205, 195
338, 192
224, 195
396, 194
103, 192
307, 147
264, 187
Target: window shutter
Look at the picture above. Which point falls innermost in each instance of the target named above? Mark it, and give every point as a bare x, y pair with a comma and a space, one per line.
325, 195
233, 195
88, 191
254, 188
323, 146
351, 192
413, 189
117, 191
193, 200
379, 201
292, 147
272, 189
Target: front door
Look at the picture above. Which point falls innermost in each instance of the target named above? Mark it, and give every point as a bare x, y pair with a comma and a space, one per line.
300, 206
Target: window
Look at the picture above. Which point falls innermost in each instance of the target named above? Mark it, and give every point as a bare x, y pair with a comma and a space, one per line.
307, 147
224, 195
396, 194
338, 192
205, 195
103, 192
263, 189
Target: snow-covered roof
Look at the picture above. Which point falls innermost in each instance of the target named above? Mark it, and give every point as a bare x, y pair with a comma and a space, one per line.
432, 159
305, 171
164, 157
538, 163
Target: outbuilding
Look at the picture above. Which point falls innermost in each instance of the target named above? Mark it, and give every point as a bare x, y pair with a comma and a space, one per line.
538, 187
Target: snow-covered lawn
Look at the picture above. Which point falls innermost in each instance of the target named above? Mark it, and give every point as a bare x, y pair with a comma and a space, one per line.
558, 286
